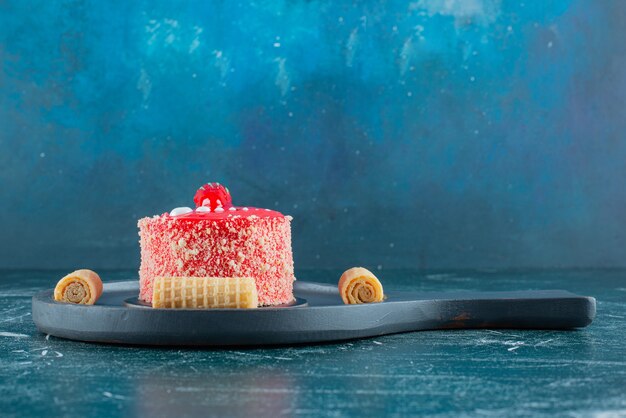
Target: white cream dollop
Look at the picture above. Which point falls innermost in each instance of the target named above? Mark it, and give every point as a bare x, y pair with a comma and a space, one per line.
203, 209
180, 211
219, 209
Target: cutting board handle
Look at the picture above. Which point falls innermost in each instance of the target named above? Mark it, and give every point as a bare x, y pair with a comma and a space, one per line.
552, 309
528, 309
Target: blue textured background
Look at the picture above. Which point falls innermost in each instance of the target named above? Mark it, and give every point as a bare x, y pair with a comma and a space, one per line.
431, 134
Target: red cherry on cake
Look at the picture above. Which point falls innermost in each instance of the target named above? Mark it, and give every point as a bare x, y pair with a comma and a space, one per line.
213, 195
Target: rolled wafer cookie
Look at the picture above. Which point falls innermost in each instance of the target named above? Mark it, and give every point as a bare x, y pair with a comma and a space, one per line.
82, 287
359, 285
204, 292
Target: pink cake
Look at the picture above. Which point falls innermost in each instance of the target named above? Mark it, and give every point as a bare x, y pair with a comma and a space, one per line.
219, 240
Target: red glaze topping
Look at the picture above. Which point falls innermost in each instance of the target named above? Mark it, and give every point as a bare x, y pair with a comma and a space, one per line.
213, 202
231, 213
213, 195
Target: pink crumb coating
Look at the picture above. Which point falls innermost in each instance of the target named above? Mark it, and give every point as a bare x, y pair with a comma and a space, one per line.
252, 243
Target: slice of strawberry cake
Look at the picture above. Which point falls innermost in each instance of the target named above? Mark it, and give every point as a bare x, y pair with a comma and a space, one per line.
218, 239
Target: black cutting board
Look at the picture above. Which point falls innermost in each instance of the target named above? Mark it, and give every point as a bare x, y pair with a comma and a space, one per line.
318, 315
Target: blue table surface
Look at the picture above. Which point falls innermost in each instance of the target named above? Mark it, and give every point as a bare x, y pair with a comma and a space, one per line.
439, 373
